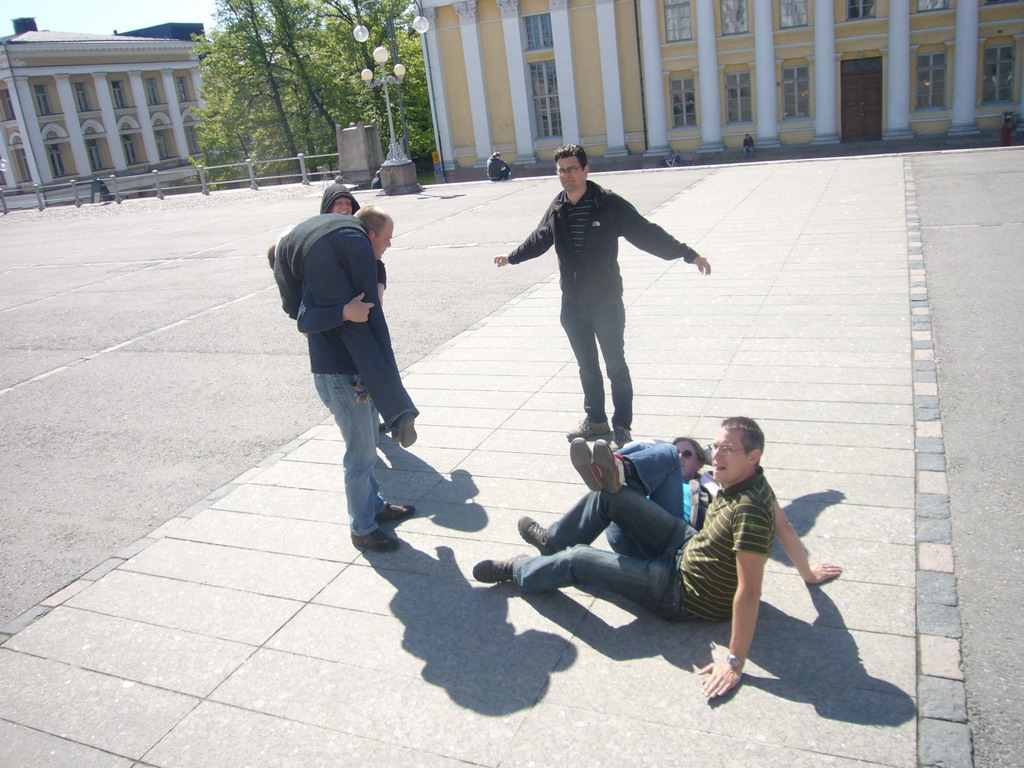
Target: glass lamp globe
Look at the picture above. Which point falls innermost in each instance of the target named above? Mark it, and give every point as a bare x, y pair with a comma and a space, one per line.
361, 34
400, 70
380, 54
421, 25
367, 75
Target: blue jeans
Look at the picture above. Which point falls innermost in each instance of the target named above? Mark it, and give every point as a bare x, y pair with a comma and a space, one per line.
662, 478
587, 325
358, 425
651, 581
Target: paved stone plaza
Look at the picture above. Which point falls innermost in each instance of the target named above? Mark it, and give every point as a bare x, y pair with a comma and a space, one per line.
247, 631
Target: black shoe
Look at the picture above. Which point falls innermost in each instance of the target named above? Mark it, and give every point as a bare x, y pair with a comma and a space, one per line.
535, 534
394, 512
378, 541
494, 571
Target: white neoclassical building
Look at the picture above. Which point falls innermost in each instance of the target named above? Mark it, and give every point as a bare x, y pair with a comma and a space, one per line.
76, 106
649, 76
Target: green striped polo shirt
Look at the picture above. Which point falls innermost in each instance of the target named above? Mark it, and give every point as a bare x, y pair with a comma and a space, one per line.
740, 519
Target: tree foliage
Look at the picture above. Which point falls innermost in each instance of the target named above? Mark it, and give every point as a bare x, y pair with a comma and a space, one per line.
279, 74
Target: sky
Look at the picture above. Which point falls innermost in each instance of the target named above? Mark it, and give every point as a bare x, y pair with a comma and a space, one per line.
101, 17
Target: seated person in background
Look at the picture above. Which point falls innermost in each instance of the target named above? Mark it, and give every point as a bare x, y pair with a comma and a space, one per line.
498, 169
748, 146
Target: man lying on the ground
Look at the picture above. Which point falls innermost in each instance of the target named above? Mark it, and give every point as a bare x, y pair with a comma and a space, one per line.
683, 574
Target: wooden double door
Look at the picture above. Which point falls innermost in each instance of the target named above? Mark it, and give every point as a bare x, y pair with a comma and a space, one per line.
861, 89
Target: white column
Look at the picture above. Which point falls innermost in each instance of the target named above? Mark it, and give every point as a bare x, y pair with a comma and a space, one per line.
561, 35
197, 87
965, 69
654, 80
897, 123
23, 129
614, 126
175, 109
1020, 104
73, 127
99, 79
517, 85
145, 122
436, 90
5, 152
31, 137
825, 98
764, 63
475, 80
707, 73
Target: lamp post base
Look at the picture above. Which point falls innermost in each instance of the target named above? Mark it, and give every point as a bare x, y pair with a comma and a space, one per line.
399, 178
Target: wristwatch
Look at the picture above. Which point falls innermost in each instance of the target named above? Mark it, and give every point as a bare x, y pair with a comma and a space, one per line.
735, 662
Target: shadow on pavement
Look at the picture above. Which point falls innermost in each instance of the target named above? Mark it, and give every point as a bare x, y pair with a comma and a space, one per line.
464, 636
803, 512
820, 664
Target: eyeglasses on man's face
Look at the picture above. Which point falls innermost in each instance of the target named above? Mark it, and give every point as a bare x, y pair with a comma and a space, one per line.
569, 170
725, 450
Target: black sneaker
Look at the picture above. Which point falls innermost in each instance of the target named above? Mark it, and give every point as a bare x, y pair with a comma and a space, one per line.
535, 534
620, 438
494, 571
378, 541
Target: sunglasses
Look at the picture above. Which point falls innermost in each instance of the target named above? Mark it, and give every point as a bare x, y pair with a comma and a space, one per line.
686, 454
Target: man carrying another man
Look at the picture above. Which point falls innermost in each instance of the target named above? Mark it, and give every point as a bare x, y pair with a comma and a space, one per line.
682, 574
584, 223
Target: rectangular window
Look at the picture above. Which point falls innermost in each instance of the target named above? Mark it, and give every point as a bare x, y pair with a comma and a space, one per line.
162, 147
42, 99
860, 9
22, 161
118, 91
92, 149
737, 97
152, 95
796, 92
8, 107
932, 5
538, 31
678, 25
931, 80
192, 140
547, 116
792, 13
997, 74
734, 17
82, 97
182, 88
131, 157
56, 160
684, 102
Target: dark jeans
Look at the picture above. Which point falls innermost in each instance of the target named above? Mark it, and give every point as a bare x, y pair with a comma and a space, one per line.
587, 325
661, 479
651, 581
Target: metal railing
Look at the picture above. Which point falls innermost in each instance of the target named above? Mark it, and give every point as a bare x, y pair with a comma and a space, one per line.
162, 182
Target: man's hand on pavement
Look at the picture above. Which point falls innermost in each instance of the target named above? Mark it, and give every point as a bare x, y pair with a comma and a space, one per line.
703, 265
823, 572
723, 679
501, 261
357, 310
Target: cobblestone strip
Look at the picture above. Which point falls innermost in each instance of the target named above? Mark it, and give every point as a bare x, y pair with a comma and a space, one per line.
943, 735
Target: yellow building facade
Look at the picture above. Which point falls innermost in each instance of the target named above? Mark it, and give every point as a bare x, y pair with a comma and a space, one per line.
626, 77
74, 106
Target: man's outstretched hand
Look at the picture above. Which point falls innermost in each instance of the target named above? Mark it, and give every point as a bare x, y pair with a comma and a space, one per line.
723, 679
357, 310
501, 261
703, 265
821, 572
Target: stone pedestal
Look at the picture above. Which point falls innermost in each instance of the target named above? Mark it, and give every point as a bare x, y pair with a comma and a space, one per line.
399, 178
359, 154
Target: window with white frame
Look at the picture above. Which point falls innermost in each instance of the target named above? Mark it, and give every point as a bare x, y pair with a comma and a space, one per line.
131, 155
931, 80
796, 92
8, 107
92, 151
684, 102
737, 97
538, 31
932, 5
191, 139
182, 88
163, 147
152, 94
117, 90
82, 97
678, 21
42, 99
546, 114
56, 157
21, 159
734, 17
860, 9
792, 13
997, 74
